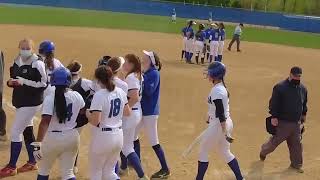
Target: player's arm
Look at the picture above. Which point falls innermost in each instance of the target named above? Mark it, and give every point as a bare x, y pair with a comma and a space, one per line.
94, 114
133, 97
275, 102
305, 107
43, 127
39, 65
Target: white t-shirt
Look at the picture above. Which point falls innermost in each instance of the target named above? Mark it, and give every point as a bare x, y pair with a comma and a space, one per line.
74, 103
135, 84
121, 84
111, 105
218, 92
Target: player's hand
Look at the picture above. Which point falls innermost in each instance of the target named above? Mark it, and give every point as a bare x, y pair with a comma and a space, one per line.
274, 121
37, 150
13, 82
229, 138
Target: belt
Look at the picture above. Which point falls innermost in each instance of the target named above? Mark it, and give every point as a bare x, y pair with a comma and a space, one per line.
57, 131
134, 109
110, 129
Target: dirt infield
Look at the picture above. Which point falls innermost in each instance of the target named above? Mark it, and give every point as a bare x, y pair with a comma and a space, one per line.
251, 75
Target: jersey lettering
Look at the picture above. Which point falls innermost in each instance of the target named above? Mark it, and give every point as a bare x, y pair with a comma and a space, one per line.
115, 106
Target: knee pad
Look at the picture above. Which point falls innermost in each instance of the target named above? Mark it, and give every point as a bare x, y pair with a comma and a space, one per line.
28, 135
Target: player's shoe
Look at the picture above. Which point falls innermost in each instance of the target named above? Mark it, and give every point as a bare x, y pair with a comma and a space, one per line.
28, 167
162, 174
262, 157
8, 171
124, 172
298, 169
75, 170
3, 137
144, 178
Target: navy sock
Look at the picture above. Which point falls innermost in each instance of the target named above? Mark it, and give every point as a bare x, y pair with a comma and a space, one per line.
186, 54
208, 55
136, 145
135, 162
74, 178
219, 58
14, 153
210, 58
40, 177
191, 54
124, 161
30, 153
160, 154
202, 168
216, 58
182, 54
116, 168
234, 165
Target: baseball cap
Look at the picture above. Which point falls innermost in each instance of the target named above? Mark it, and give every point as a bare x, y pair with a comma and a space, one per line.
296, 70
151, 56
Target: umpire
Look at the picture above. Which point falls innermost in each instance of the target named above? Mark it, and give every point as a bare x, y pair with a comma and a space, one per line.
288, 109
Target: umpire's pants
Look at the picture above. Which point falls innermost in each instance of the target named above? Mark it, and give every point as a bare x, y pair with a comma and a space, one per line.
290, 132
236, 38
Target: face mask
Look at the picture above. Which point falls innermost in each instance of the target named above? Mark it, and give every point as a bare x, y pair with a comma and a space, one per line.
25, 53
295, 82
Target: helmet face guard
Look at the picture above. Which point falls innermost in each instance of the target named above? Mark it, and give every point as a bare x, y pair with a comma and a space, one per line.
60, 77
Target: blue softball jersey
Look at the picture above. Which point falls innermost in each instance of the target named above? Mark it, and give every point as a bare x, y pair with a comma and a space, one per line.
151, 92
201, 36
222, 35
207, 31
214, 35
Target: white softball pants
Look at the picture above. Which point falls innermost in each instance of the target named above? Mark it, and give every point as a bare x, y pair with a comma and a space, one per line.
184, 43
198, 46
220, 47
104, 150
23, 119
214, 45
190, 45
214, 139
62, 146
129, 125
149, 125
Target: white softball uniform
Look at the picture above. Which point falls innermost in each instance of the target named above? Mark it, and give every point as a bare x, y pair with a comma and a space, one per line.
214, 138
107, 138
50, 89
131, 122
198, 46
121, 84
220, 47
149, 126
184, 43
62, 140
214, 46
190, 45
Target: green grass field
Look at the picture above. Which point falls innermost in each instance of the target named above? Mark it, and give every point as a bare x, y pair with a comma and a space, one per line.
101, 19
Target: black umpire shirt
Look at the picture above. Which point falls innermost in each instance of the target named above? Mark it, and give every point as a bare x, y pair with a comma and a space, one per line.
288, 101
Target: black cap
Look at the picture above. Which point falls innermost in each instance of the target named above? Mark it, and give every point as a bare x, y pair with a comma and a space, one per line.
241, 24
296, 70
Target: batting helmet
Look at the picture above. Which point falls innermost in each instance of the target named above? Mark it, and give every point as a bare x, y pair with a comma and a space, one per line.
217, 70
46, 47
60, 77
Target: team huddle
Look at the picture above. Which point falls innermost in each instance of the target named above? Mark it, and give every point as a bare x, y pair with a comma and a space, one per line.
121, 101
205, 43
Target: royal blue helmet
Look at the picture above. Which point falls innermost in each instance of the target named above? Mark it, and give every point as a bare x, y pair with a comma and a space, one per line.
60, 77
217, 70
46, 47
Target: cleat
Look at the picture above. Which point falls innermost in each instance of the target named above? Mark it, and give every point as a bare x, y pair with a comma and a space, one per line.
162, 174
229, 49
297, 169
124, 172
262, 157
28, 167
8, 171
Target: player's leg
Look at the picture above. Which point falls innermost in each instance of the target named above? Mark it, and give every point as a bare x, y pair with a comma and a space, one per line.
295, 147
50, 152
216, 47
136, 143
151, 129
69, 153
281, 135
220, 50
197, 51
116, 142
208, 142
29, 138
231, 42
75, 168
208, 50
3, 121
211, 51
184, 44
238, 43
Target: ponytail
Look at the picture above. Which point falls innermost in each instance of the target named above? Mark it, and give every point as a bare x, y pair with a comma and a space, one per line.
49, 61
60, 104
157, 61
224, 84
105, 76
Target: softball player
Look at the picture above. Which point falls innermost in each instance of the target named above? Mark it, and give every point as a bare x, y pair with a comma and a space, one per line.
132, 67
200, 43
150, 110
83, 87
108, 106
220, 124
188, 35
28, 80
46, 50
214, 43
222, 37
174, 16
207, 31
57, 137
116, 64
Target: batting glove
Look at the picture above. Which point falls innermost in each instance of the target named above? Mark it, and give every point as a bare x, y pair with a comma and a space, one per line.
37, 150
